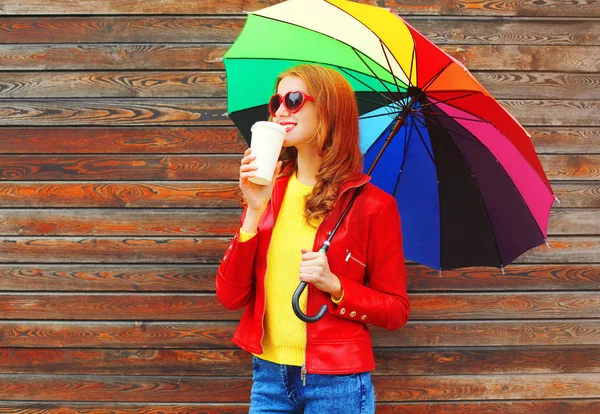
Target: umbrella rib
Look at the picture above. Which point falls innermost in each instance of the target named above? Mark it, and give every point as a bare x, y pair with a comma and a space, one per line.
377, 115
368, 86
450, 99
448, 129
390, 67
406, 144
356, 51
412, 59
449, 143
425, 144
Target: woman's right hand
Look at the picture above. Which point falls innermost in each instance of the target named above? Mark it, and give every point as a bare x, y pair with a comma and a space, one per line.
257, 196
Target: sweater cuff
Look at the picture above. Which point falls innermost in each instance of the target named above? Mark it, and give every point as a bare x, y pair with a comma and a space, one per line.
244, 237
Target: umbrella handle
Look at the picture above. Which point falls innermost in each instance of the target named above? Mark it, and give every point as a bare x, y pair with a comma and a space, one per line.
296, 306
296, 299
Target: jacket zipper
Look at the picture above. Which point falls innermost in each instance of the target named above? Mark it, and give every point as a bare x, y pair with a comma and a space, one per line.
349, 256
303, 370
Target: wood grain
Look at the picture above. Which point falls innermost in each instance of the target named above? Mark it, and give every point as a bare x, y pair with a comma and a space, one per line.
564, 249
220, 140
388, 388
112, 249
188, 29
212, 112
120, 167
197, 222
236, 363
134, 84
117, 278
191, 307
196, 84
582, 406
118, 112
201, 278
100, 222
208, 335
120, 194
132, 7
546, 8
173, 56
124, 140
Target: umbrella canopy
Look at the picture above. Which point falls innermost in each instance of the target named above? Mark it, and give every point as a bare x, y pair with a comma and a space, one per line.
470, 188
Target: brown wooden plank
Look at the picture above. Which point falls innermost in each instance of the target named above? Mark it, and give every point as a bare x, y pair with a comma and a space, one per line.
157, 389
135, 7
122, 408
566, 140
540, 85
119, 140
576, 249
205, 335
515, 277
516, 31
119, 112
477, 387
185, 335
191, 195
222, 222
112, 57
106, 307
165, 140
206, 167
134, 84
571, 167
201, 278
225, 362
112, 250
119, 167
571, 406
100, 222
387, 388
554, 112
189, 29
103, 277
138, 29
170, 56
212, 112
564, 249
190, 307
120, 194
548, 8
194, 84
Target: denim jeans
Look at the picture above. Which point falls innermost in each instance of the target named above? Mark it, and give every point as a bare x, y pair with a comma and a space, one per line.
279, 389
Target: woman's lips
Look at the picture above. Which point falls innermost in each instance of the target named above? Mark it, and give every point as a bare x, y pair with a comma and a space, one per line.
288, 127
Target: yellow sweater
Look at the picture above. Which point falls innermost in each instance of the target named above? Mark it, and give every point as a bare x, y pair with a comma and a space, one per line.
284, 341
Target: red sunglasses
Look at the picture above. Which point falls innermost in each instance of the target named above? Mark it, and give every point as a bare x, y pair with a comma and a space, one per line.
292, 101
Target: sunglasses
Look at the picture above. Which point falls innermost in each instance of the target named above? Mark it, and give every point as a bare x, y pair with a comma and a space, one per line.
292, 101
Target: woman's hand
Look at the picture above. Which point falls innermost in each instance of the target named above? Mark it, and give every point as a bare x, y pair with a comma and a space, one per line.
314, 269
257, 196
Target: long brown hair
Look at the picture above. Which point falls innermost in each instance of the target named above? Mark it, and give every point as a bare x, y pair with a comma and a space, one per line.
336, 138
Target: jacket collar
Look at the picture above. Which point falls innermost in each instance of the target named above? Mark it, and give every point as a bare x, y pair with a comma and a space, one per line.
282, 182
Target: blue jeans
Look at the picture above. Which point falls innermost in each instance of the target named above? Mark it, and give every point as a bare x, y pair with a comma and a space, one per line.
279, 389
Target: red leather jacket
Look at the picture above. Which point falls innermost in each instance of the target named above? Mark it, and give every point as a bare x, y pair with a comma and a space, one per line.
365, 253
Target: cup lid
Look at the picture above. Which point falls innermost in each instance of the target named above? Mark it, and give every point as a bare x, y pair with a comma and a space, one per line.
269, 124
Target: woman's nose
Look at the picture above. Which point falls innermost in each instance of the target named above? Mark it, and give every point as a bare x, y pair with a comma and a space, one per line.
281, 111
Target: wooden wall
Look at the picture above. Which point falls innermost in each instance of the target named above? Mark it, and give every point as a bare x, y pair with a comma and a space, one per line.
118, 194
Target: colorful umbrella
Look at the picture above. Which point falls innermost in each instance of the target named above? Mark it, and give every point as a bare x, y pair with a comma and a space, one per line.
469, 186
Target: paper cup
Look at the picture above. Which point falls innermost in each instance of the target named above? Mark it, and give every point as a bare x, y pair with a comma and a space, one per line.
267, 140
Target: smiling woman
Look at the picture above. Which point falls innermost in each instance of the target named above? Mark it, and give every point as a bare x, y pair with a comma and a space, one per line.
276, 246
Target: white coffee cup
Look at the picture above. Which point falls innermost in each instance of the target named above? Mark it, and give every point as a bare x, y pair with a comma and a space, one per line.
267, 140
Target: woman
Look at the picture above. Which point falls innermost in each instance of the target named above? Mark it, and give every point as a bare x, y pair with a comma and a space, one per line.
324, 366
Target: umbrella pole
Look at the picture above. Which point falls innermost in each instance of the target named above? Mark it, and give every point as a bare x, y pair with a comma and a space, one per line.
296, 296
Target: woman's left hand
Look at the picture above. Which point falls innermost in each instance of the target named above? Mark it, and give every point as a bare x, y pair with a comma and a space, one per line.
314, 269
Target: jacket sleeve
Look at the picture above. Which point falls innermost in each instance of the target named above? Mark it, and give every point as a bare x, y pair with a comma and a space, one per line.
384, 302
235, 282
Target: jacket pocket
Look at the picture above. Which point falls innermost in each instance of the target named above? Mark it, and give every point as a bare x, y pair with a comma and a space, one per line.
352, 257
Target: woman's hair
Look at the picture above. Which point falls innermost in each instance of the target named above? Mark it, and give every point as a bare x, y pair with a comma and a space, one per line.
336, 138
